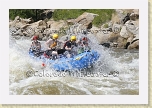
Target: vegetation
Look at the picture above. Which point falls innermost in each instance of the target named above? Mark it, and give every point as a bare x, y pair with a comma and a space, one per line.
105, 26
25, 13
64, 14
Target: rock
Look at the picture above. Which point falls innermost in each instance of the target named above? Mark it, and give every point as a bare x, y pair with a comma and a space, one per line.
118, 16
40, 35
94, 30
86, 20
114, 44
123, 32
102, 38
70, 21
132, 26
26, 21
10, 24
25, 26
42, 23
113, 37
13, 23
17, 18
130, 31
134, 15
57, 25
136, 37
134, 45
30, 30
116, 28
110, 24
106, 45
19, 32
121, 42
39, 23
49, 23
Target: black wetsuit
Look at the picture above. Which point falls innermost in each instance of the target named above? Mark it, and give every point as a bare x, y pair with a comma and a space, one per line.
69, 44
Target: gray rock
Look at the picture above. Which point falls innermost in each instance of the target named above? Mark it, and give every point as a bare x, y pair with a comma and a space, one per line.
123, 32
134, 45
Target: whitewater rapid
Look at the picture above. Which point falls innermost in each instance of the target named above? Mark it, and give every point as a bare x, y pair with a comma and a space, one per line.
115, 73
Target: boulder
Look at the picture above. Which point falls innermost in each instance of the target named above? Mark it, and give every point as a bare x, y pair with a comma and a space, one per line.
18, 32
39, 23
17, 18
102, 37
123, 32
130, 30
49, 23
118, 16
116, 28
13, 23
94, 30
40, 35
26, 21
113, 37
70, 21
121, 42
86, 20
132, 26
134, 45
57, 27
134, 15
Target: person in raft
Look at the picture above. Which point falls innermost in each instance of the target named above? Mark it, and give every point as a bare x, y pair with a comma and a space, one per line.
35, 46
52, 45
67, 49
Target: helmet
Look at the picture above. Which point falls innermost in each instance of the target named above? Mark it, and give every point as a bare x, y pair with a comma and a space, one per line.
84, 38
55, 36
73, 38
35, 37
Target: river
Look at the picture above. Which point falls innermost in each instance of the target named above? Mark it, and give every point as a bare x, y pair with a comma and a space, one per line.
115, 73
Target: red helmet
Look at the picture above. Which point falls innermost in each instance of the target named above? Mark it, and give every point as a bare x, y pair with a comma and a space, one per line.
35, 37
85, 39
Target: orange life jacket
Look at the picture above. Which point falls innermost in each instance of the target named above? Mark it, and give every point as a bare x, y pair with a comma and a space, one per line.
54, 44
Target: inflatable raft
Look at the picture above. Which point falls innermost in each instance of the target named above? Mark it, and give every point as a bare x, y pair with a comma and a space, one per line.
77, 62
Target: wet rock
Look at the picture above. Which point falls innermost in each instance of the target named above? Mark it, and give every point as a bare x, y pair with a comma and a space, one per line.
106, 45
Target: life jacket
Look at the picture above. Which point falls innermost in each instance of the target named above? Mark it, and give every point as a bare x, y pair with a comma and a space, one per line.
34, 45
54, 44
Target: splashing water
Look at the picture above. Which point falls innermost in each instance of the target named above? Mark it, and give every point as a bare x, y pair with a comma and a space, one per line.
115, 73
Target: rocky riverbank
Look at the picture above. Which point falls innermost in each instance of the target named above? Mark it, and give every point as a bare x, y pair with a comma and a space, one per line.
121, 31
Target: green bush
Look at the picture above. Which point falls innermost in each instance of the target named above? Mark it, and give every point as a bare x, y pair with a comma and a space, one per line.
64, 14
25, 13
105, 26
